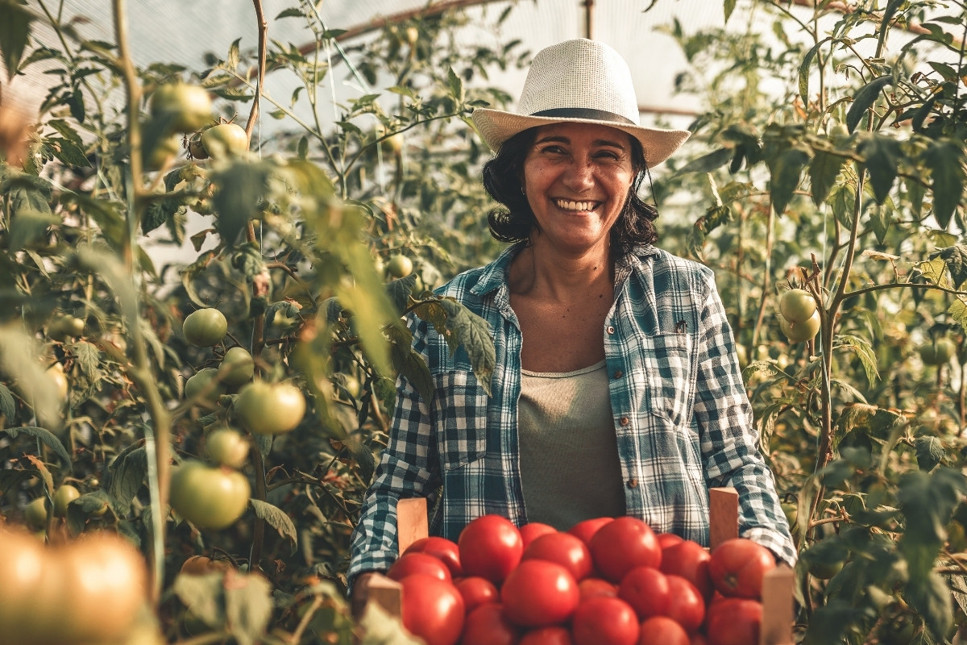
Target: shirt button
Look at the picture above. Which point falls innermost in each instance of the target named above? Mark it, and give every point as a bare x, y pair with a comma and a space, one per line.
624, 421
611, 329
618, 374
632, 483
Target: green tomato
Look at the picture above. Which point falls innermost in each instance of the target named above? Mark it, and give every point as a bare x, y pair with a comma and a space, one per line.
162, 154
64, 327
270, 408
399, 266
205, 327
35, 513
209, 497
227, 447
184, 107
797, 305
938, 352
237, 367
224, 141
63, 497
199, 381
798, 332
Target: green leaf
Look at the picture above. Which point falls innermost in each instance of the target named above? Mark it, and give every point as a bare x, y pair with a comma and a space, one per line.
18, 360
864, 352
930, 452
945, 159
128, 474
786, 169
240, 191
729, 7
708, 162
805, 68
823, 172
881, 154
955, 262
461, 327
277, 519
930, 599
15, 22
864, 99
407, 362
248, 607
8, 405
45, 437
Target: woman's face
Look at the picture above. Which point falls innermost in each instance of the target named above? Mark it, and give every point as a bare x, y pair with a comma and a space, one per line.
577, 178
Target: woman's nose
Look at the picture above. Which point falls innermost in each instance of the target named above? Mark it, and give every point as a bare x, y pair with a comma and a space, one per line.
579, 175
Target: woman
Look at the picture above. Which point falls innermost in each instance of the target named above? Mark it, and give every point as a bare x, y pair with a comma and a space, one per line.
616, 389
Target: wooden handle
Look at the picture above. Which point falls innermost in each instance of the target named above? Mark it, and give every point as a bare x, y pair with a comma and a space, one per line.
386, 593
723, 507
777, 607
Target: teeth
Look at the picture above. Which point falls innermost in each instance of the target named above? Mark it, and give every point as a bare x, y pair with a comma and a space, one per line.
575, 206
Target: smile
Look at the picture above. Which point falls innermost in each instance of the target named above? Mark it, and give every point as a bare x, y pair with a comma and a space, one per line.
570, 205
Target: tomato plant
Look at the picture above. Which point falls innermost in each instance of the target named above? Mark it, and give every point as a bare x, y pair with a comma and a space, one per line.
490, 547
539, 593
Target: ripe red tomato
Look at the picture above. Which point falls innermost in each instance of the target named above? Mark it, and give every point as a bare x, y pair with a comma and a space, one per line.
622, 544
554, 635
590, 587
490, 546
668, 539
532, 530
476, 591
733, 621
586, 529
646, 590
605, 620
689, 560
563, 548
737, 567
685, 604
664, 630
432, 609
488, 625
539, 593
439, 547
424, 563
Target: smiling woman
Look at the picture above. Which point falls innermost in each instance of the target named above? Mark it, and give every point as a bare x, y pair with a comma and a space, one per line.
615, 364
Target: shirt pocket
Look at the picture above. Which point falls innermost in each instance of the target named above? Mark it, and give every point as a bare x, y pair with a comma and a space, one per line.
667, 376
461, 409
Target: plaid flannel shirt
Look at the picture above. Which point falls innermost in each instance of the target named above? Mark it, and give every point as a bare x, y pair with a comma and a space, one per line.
682, 420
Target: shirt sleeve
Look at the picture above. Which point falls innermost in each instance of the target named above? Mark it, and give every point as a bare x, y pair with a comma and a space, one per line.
404, 471
729, 441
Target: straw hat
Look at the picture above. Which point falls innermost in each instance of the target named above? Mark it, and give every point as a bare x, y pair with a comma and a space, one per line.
579, 81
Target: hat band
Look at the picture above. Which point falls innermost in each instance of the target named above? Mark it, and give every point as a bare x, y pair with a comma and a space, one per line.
584, 113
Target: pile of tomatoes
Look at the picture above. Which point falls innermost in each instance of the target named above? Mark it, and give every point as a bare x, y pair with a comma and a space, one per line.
605, 581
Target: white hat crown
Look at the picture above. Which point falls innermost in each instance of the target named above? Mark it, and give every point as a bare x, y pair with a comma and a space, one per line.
579, 75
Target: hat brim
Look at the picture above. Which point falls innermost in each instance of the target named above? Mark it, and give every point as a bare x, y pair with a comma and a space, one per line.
496, 126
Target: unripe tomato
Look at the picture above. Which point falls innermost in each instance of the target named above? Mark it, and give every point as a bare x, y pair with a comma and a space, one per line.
224, 141
797, 305
106, 582
56, 374
64, 495
199, 565
237, 367
399, 266
199, 382
35, 513
227, 447
162, 154
798, 332
270, 408
185, 107
209, 498
938, 352
195, 148
63, 327
205, 327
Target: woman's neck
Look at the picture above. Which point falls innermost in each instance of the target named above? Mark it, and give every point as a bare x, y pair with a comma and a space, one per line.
554, 276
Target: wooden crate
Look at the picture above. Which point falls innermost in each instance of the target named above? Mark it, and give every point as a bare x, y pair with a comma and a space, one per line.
777, 588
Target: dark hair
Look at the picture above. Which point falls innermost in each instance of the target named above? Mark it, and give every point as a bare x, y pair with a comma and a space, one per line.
503, 180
